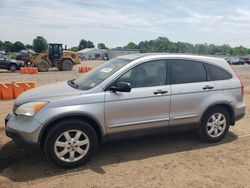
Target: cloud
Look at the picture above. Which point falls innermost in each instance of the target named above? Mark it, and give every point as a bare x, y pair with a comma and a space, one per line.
116, 22
64, 13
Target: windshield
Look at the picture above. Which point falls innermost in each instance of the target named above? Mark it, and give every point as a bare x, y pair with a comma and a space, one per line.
99, 74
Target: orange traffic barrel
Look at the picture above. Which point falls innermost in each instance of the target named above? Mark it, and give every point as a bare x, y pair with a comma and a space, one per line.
18, 88
29, 70
21, 70
30, 85
33, 70
1, 97
25, 70
89, 69
6, 91
82, 69
27, 85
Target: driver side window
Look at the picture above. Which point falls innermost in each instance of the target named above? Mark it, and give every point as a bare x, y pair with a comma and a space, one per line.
152, 73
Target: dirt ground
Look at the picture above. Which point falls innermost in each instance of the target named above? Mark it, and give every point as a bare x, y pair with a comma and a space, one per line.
179, 160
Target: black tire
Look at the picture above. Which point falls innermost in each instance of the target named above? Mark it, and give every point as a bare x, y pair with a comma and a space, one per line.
42, 66
66, 65
13, 67
59, 67
58, 130
203, 131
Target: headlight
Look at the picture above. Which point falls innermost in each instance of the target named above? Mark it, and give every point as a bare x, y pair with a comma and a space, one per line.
30, 109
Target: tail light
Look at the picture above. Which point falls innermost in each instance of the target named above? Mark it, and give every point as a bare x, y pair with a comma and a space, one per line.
241, 83
241, 87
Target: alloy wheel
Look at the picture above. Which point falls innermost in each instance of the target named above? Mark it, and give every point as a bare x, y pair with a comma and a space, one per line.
71, 146
216, 125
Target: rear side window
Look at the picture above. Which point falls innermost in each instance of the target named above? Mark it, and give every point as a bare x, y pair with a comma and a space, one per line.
186, 71
216, 73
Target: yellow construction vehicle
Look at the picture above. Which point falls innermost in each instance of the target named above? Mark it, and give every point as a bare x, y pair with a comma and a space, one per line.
55, 57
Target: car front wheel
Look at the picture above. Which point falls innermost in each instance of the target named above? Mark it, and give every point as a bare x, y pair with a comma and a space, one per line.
70, 144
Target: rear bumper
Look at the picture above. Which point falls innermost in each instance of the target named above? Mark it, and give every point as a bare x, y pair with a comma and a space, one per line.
239, 117
240, 112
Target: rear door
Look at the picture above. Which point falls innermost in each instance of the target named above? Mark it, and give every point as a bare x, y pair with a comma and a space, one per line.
191, 92
148, 103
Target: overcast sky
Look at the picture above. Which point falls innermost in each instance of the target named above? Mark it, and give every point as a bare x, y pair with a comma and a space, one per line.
117, 22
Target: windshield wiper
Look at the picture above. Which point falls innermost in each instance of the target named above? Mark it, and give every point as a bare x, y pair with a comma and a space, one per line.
72, 83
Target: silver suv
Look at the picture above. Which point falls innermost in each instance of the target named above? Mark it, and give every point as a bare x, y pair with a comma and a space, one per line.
132, 95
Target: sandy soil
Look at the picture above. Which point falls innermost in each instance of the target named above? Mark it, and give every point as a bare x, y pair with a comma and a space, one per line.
179, 160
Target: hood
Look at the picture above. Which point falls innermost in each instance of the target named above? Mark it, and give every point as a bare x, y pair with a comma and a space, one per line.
46, 93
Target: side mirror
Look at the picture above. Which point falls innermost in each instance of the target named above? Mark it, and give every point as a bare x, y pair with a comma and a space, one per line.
121, 87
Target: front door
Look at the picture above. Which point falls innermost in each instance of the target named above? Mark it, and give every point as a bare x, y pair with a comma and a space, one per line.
146, 105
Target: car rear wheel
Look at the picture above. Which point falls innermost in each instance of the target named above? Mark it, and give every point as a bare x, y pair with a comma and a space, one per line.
214, 125
13, 68
70, 144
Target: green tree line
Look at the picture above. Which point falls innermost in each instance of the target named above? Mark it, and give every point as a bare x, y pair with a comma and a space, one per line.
39, 45
13, 47
163, 44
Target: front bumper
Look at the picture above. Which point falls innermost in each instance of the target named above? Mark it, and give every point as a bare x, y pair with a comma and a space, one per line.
19, 140
21, 137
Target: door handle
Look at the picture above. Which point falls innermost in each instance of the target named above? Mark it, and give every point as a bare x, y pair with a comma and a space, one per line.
160, 92
208, 87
